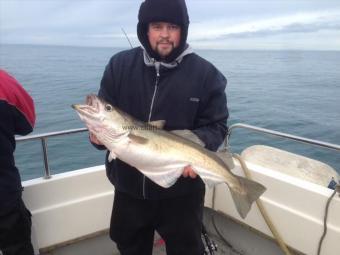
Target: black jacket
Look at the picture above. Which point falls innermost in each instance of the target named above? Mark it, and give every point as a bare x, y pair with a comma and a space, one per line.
189, 96
17, 117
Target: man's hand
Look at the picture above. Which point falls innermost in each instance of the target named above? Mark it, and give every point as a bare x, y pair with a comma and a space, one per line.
188, 171
94, 139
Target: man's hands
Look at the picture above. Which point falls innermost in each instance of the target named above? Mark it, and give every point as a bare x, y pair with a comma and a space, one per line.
188, 171
94, 139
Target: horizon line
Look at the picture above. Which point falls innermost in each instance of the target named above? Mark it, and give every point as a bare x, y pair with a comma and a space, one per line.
195, 48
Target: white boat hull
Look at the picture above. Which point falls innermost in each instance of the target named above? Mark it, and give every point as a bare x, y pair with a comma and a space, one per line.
77, 204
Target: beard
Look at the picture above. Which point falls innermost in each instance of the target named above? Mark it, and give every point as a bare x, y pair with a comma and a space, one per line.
164, 48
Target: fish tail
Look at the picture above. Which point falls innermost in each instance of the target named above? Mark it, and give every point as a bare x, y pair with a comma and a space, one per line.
251, 191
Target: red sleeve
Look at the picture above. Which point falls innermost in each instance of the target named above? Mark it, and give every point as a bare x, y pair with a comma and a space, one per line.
14, 94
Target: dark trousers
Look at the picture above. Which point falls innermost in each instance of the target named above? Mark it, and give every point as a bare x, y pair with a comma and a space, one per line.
177, 220
15, 231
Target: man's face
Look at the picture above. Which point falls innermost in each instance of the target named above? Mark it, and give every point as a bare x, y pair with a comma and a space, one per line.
164, 37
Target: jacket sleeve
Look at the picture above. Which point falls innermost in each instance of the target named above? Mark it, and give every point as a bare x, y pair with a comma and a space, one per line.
22, 125
211, 122
7, 128
12, 122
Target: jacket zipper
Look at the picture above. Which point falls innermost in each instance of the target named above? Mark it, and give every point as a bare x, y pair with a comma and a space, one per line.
153, 96
150, 113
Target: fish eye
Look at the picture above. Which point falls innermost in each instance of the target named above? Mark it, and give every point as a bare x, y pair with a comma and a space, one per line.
108, 107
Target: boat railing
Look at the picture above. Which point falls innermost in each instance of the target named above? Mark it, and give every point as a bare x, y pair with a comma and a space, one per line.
45, 136
43, 139
278, 134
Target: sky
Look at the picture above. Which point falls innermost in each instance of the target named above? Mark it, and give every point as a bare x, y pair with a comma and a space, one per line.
214, 24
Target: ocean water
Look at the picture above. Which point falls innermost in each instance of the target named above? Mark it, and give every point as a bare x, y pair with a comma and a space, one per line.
296, 92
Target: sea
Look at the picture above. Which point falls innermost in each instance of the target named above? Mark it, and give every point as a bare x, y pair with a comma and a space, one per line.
295, 92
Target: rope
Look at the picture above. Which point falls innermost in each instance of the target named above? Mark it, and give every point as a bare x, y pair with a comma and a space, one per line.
325, 221
263, 211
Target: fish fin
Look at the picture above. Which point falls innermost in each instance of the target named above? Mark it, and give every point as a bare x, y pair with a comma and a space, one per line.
226, 156
137, 139
164, 180
243, 201
189, 135
112, 156
157, 123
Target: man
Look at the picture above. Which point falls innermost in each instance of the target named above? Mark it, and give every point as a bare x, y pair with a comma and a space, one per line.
17, 116
164, 80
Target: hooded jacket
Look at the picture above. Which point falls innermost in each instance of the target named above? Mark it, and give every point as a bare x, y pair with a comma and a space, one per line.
189, 95
17, 117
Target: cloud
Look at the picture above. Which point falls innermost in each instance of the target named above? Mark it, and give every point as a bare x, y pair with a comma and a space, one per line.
296, 23
64, 14
215, 23
113, 36
83, 23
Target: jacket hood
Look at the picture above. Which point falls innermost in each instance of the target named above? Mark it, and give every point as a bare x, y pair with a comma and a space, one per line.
172, 11
148, 61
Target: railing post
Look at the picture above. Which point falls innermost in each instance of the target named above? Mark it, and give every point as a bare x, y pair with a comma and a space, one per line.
43, 138
47, 174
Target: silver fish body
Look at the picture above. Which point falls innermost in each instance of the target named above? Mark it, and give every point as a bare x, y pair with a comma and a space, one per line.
161, 155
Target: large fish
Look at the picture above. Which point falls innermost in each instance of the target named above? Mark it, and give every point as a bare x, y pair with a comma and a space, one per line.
162, 155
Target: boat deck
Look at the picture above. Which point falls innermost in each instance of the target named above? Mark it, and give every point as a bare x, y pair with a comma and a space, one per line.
230, 237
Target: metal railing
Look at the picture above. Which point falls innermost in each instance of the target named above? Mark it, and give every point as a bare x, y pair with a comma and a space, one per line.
280, 134
43, 138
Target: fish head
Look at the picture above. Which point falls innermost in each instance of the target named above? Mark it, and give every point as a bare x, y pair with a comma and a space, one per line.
100, 117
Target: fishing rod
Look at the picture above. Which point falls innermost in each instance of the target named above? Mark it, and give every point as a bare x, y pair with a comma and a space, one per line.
127, 38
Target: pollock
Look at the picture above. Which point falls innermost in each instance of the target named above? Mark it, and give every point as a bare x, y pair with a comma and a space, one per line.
162, 155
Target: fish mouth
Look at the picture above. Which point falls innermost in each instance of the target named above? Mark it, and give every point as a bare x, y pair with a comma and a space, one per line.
91, 106
90, 99
86, 110
91, 109
95, 101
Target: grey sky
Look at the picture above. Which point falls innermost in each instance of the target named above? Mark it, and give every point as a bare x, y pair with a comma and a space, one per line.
238, 24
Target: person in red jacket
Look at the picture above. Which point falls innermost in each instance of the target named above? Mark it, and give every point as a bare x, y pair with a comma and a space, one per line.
17, 117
